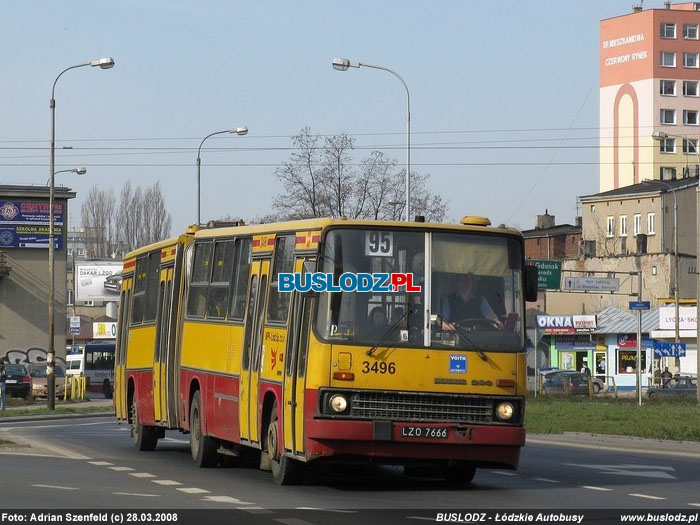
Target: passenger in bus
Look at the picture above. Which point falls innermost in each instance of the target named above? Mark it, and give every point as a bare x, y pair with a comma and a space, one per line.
376, 322
467, 303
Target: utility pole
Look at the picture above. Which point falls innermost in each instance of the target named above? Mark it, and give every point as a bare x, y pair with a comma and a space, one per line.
639, 336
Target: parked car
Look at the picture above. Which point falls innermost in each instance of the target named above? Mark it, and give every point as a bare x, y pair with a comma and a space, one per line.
37, 371
576, 382
18, 382
685, 387
597, 383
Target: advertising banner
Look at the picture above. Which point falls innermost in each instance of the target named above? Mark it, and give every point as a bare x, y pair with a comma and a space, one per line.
566, 324
98, 280
686, 318
25, 224
104, 330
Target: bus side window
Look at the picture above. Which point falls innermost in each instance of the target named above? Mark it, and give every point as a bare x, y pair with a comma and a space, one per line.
217, 295
239, 279
252, 297
201, 272
139, 297
151, 306
278, 307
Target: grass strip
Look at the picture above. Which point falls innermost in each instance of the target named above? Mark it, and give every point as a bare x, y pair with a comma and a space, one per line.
60, 409
673, 420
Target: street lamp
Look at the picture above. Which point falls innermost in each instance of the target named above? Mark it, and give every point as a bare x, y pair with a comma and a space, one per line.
658, 135
77, 171
342, 64
102, 63
241, 130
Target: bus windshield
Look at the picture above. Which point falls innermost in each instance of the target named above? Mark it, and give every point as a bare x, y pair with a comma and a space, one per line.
470, 287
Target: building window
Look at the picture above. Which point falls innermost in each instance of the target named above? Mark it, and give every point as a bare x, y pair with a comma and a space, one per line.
637, 224
69, 298
623, 225
592, 208
690, 31
89, 303
81, 252
611, 227
668, 87
651, 230
668, 30
690, 145
668, 59
668, 116
668, 145
690, 59
627, 361
690, 88
667, 173
690, 117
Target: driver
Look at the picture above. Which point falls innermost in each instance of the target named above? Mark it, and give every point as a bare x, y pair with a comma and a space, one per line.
467, 303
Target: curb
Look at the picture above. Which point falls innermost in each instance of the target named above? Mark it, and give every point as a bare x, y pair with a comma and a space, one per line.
53, 417
614, 443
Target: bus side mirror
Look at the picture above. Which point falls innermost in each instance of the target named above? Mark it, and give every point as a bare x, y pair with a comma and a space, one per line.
531, 283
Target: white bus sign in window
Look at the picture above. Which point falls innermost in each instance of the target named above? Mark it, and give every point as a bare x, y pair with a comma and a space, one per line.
379, 243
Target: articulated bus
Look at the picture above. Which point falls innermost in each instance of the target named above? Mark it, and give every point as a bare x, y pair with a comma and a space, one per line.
211, 344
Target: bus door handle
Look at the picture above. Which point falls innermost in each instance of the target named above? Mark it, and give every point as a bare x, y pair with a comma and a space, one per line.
292, 404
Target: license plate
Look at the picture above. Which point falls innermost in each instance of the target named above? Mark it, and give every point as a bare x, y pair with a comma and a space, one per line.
424, 432
11, 381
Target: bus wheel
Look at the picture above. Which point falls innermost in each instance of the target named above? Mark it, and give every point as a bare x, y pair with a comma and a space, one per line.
145, 438
107, 389
203, 447
285, 471
459, 472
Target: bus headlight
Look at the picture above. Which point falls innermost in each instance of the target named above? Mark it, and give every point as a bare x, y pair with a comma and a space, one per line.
505, 411
338, 403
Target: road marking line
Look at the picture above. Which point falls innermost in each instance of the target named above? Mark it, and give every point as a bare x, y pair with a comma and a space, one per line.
141, 475
100, 463
44, 445
193, 490
120, 469
646, 496
590, 487
166, 482
546, 480
255, 510
501, 473
55, 487
226, 499
138, 495
293, 521
327, 510
694, 504
419, 518
173, 440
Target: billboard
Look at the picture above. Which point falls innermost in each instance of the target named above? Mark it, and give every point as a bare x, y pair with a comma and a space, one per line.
25, 224
98, 280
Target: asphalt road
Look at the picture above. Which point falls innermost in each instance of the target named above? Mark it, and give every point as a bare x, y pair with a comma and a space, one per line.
89, 463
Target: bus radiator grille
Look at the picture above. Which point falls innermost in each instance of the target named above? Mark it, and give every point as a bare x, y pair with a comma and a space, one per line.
399, 406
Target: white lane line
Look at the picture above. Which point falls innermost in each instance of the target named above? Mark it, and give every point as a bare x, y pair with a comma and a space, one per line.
502, 473
694, 504
328, 510
226, 499
590, 487
546, 480
100, 463
141, 475
193, 490
137, 495
54, 487
173, 440
419, 518
646, 496
255, 510
120, 469
293, 521
42, 445
168, 482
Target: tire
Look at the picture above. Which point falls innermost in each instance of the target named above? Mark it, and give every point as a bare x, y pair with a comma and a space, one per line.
145, 438
107, 389
203, 448
285, 470
651, 395
459, 472
596, 388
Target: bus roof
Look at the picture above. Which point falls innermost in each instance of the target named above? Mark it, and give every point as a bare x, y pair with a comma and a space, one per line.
101, 345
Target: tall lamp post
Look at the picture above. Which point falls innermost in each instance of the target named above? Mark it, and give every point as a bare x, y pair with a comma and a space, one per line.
241, 130
102, 63
658, 135
342, 64
77, 171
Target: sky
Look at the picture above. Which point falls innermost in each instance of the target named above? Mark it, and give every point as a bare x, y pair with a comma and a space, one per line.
504, 97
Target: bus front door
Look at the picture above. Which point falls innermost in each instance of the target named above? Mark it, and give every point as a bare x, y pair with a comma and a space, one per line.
295, 369
252, 350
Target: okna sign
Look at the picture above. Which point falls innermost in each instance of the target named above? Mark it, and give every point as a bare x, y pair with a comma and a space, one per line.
566, 324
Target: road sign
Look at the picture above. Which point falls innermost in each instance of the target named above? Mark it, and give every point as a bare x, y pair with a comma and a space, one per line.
592, 284
669, 349
640, 305
548, 274
75, 324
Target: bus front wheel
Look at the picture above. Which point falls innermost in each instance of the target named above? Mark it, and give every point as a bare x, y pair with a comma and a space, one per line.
145, 438
203, 447
285, 470
457, 472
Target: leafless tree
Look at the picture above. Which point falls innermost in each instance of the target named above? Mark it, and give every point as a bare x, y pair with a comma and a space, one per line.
155, 223
323, 182
97, 215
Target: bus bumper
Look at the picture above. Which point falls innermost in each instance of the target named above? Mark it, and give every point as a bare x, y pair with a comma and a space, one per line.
492, 445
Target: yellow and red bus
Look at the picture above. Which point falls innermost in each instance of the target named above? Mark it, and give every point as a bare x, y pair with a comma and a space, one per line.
209, 344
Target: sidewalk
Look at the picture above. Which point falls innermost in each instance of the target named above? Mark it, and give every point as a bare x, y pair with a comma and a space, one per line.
11, 413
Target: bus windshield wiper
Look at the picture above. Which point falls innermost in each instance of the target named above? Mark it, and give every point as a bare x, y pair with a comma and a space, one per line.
392, 328
463, 333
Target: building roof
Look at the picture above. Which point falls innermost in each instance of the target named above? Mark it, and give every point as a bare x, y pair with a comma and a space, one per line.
651, 187
554, 231
34, 191
612, 320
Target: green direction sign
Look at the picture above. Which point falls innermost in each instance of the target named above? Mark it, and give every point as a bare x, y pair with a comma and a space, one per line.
548, 274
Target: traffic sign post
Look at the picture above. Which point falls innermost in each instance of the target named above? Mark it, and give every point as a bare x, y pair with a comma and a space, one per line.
75, 324
640, 305
548, 274
669, 349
